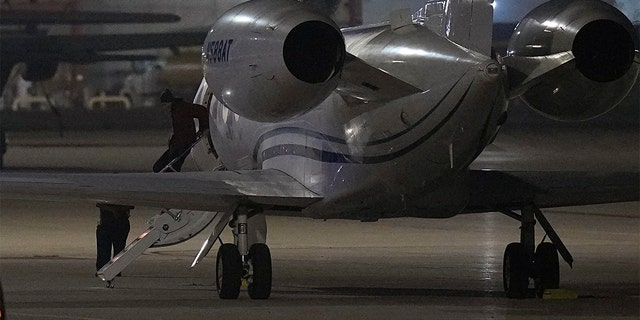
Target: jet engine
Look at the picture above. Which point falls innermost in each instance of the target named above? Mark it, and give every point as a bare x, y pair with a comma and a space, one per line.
270, 60
573, 60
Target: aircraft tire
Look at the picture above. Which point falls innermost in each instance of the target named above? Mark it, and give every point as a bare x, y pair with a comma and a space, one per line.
260, 286
547, 268
515, 274
228, 271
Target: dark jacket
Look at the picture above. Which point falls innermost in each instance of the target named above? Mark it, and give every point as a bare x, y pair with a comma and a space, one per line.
182, 115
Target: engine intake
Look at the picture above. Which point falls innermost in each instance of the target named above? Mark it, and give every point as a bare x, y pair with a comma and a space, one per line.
270, 60
311, 51
601, 72
604, 50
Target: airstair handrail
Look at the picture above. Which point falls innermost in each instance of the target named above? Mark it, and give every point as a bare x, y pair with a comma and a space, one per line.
201, 134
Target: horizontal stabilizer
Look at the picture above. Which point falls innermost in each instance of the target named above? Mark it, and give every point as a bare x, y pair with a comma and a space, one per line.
35, 17
364, 82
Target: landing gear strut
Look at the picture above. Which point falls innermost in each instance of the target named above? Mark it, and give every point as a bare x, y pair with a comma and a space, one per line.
522, 260
240, 263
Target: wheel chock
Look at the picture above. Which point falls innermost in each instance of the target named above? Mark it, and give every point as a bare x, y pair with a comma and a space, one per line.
559, 294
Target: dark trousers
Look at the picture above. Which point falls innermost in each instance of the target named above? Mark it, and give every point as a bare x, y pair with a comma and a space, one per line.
167, 156
110, 237
111, 234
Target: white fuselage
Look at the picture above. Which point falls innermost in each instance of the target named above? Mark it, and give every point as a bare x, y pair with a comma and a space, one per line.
368, 160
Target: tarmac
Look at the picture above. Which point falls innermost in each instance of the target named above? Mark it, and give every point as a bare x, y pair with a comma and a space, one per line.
391, 269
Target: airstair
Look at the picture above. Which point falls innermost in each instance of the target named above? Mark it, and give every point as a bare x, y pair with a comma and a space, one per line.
200, 143
168, 228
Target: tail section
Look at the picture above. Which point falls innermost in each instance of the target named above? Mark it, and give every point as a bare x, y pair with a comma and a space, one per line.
468, 23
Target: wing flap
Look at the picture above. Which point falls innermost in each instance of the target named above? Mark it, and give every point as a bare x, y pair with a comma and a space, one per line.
208, 191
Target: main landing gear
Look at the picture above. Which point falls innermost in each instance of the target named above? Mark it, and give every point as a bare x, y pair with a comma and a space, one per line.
240, 263
523, 261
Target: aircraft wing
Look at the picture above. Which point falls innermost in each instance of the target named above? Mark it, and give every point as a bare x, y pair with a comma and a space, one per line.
497, 190
88, 48
552, 170
36, 17
42, 52
208, 191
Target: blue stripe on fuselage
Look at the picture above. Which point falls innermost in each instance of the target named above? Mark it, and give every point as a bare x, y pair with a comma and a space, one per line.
332, 157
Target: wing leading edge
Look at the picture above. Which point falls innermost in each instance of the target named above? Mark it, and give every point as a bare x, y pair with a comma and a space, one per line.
208, 191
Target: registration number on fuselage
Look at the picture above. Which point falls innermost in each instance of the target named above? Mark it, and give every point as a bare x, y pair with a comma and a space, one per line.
218, 50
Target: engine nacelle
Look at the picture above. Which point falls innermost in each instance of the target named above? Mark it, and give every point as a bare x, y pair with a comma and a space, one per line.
270, 60
594, 74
